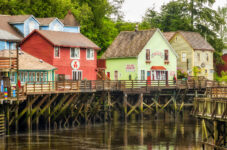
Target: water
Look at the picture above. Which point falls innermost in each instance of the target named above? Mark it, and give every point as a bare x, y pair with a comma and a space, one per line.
160, 134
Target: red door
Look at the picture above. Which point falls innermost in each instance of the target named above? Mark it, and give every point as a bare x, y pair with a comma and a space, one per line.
148, 77
108, 75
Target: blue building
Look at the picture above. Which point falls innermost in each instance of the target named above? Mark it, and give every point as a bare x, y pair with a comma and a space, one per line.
15, 28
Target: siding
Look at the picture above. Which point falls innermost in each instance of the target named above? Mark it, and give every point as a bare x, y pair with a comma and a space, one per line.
180, 46
157, 44
19, 27
39, 47
71, 29
54, 23
208, 63
26, 25
119, 64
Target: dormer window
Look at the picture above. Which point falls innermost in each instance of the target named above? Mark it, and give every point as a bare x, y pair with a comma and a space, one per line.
90, 54
57, 27
31, 26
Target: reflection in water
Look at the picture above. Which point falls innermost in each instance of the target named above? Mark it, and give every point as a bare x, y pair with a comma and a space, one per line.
160, 134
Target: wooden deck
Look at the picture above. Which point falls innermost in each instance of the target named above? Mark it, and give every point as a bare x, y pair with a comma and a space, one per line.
213, 106
126, 86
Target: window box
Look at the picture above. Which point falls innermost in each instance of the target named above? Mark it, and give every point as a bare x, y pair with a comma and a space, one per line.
166, 62
148, 61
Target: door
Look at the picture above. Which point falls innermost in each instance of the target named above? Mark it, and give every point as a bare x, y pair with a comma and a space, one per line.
108, 75
77, 75
148, 77
115, 75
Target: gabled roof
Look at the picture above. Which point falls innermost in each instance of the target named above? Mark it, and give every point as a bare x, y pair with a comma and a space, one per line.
65, 39
7, 36
47, 21
27, 61
169, 35
128, 44
70, 20
4, 25
19, 18
196, 41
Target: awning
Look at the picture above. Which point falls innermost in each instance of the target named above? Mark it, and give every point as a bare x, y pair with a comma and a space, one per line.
158, 68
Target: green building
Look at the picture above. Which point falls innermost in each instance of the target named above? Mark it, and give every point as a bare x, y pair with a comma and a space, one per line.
141, 55
31, 69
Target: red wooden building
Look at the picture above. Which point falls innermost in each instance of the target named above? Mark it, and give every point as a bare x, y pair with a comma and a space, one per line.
223, 67
74, 55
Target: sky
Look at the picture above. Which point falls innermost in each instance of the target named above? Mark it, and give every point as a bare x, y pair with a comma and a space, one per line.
134, 10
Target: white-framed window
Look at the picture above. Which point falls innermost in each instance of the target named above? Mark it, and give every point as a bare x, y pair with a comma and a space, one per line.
74, 53
31, 26
77, 75
90, 54
183, 57
57, 27
56, 52
45, 76
13, 76
22, 76
142, 74
26, 76
207, 55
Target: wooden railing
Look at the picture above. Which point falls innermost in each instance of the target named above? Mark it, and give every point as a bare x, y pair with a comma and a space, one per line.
2, 124
120, 85
211, 108
8, 63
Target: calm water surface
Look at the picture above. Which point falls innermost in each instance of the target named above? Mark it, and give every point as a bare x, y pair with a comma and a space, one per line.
160, 134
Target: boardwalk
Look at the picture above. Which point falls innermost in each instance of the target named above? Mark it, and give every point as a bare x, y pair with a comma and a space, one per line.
126, 86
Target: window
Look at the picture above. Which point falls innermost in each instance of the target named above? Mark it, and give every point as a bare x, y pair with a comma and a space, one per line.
56, 52
142, 74
198, 56
183, 57
41, 76
90, 54
207, 56
13, 76
74, 53
45, 76
57, 27
166, 55
148, 55
33, 76
37, 76
115, 75
22, 76
77, 75
31, 26
26, 76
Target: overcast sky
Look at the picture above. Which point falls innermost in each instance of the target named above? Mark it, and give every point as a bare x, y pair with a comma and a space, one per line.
135, 9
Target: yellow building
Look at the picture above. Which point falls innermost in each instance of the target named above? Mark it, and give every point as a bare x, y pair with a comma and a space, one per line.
193, 51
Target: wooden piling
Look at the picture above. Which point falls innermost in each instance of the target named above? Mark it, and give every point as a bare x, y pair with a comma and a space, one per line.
125, 106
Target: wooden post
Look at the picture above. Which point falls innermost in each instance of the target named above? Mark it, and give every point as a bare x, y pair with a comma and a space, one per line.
215, 132
141, 106
17, 86
7, 118
125, 106
28, 114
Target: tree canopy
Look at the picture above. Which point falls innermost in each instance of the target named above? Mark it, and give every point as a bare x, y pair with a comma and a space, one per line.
97, 23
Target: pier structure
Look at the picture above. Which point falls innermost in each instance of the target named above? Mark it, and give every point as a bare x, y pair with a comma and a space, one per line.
212, 110
69, 103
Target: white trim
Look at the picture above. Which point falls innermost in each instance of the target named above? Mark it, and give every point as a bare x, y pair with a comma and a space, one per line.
172, 49
75, 57
93, 54
59, 52
78, 71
